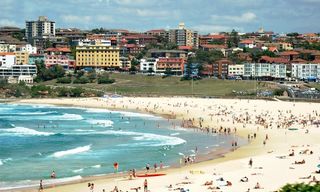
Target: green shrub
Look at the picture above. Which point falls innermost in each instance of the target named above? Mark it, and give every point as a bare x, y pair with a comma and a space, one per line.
64, 80
81, 80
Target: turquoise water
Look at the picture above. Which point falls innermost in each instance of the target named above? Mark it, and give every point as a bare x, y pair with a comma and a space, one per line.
74, 142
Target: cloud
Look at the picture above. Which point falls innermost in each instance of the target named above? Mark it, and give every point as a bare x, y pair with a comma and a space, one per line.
7, 22
244, 18
205, 28
86, 19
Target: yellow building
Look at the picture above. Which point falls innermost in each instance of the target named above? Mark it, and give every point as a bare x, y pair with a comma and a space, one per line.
22, 57
97, 56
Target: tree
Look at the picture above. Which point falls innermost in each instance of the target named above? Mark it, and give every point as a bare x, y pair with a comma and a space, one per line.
92, 75
81, 80
300, 187
233, 39
104, 79
58, 71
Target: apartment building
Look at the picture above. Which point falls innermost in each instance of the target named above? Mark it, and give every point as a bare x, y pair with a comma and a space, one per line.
97, 56
305, 71
184, 37
175, 65
63, 60
40, 29
5, 47
235, 70
264, 71
22, 57
148, 64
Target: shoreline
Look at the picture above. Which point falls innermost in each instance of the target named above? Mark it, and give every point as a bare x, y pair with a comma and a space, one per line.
252, 149
219, 152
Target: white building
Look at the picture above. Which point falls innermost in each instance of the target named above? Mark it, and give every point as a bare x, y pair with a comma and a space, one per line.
8, 68
4, 47
305, 71
28, 48
264, 70
87, 42
235, 70
7, 59
148, 64
25, 78
18, 70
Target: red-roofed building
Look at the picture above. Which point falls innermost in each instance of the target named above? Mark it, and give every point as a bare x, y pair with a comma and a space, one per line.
210, 47
131, 49
58, 51
273, 49
247, 43
267, 59
289, 55
176, 65
208, 39
141, 39
158, 33
185, 48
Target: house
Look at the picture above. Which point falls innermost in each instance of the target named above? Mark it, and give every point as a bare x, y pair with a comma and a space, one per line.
247, 43
289, 55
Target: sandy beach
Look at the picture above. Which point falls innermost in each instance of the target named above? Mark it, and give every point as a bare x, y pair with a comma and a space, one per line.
283, 143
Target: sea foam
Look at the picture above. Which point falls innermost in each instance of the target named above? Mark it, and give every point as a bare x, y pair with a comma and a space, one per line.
107, 123
23, 131
71, 151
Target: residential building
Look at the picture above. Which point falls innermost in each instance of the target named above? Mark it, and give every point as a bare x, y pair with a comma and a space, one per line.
247, 43
264, 71
27, 48
97, 56
22, 57
7, 59
175, 65
212, 39
18, 70
125, 63
131, 49
236, 70
28, 79
139, 39
63, 60
156, 53
289, 55
39, 30
5, 47
148, 64
36, 58
158, 33
305, 71
58, 51
184, 37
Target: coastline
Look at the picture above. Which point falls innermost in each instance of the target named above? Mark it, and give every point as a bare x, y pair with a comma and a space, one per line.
252, 149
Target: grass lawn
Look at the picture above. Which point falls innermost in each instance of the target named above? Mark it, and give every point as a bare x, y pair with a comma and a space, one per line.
155, 85
315, 85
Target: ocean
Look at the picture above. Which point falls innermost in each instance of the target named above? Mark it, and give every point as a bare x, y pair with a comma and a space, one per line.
76, 142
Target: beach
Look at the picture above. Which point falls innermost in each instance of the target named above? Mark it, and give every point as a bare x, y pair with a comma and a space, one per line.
273, 128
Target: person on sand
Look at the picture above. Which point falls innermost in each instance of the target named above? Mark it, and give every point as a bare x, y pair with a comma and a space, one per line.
53, 175
208, 183
40, 186
147, 167
92, 187
250, 162
244, 179
257, 186
155, 166
115, 189
145, 185
115, 167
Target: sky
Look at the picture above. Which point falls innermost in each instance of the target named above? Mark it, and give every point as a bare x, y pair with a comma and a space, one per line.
205, 16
